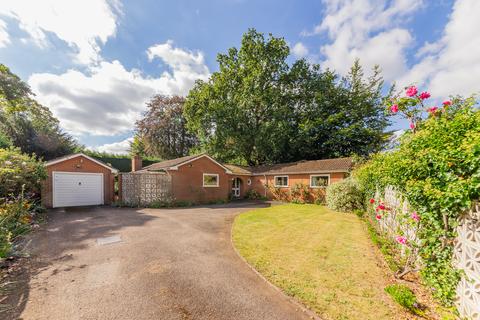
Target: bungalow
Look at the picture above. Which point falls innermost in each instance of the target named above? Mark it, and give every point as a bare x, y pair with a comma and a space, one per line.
200, 178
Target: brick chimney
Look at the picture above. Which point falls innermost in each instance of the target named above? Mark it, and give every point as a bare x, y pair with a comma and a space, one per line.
136, 163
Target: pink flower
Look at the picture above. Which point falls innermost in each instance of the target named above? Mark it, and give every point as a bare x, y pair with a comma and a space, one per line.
381, 206
412, 125
432, 109
424, 95
394, 108
401, 240
378, 216
447, 103
372, 200
415, 216
412, 91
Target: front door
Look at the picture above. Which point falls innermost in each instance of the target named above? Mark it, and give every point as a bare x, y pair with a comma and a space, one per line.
236, 187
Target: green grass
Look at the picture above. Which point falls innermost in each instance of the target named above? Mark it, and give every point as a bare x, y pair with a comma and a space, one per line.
323, 258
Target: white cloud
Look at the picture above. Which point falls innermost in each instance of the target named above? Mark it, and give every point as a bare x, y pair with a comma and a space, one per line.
4, 38
121, 147
84, 25
368, 30
300, 50
452, 65
107, 99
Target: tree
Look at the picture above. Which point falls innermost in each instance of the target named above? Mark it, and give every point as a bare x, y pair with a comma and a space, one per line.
240, 113
162, 132
342, 117
258, 109
28, 125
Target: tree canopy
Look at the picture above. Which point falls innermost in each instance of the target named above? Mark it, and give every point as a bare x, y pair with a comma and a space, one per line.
162, 131
26, 124
259, 109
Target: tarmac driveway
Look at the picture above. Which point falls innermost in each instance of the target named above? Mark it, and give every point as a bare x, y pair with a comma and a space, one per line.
119, 263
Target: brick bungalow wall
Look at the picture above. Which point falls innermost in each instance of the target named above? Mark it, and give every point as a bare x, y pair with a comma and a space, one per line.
187, 182
78, 164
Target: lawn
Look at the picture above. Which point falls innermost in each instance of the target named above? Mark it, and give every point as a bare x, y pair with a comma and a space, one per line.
321, 257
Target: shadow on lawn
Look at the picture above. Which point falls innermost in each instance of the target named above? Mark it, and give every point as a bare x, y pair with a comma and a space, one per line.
72, 229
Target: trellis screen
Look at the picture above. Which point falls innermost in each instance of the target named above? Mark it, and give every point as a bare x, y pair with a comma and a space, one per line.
466, 252
144, 188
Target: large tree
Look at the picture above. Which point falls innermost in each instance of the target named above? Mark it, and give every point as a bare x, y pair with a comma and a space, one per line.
241, 110
27, 124
259, 109
162, 131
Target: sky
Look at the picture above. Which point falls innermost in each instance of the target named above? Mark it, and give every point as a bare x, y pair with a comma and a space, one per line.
95, 63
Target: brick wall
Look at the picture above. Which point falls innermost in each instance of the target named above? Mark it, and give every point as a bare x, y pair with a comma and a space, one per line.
77, 164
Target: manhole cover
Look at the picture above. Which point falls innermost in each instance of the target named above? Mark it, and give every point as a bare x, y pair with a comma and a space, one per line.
108, 240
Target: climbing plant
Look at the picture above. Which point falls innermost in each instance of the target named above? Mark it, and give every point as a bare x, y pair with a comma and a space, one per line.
437, 168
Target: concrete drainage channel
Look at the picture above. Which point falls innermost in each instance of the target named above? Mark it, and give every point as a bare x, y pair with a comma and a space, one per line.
109, 240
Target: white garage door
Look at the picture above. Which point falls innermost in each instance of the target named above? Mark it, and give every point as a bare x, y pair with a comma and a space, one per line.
77, 189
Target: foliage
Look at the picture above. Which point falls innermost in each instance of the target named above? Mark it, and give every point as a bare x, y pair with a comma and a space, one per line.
162, 131
345, 196
253, 195
27, 124
258, 109
14, 221
405, 297
121, 162
19, 171
279, 194
299, 193
318, 195
436, 167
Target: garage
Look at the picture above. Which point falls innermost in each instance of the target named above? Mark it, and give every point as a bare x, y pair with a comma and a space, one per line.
78, 180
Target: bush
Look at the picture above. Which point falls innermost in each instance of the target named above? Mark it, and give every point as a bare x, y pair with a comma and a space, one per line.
436, 167
18, 172
299, 193
345, 196
253, 195
15, 218
405, 297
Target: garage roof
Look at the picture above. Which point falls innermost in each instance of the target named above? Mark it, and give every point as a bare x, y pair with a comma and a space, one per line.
75, 155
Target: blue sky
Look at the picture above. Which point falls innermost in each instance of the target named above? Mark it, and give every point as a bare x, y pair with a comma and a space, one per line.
96, 62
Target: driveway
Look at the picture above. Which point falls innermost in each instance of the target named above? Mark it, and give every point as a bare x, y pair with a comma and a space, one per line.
120, 263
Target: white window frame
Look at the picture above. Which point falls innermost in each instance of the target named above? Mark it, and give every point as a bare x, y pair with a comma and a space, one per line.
278, 186
211, 174
319, 175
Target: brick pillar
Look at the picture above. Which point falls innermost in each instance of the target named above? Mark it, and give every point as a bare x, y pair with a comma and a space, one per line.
136, 163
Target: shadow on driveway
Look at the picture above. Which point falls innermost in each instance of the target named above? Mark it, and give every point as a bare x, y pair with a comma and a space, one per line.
66, 230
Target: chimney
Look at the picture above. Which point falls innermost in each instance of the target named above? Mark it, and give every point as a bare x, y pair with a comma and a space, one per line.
136, 163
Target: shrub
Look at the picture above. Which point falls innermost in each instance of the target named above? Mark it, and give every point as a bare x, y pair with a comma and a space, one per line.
299, 193
15, 219
405, 297
318, 195
19, 171
345, 196
279, 194
436, 168
253, 195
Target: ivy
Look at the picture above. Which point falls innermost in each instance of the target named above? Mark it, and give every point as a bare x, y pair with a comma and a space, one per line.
437, 168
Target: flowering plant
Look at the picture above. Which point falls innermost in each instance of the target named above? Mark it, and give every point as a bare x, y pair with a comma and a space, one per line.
412, 105
436, 169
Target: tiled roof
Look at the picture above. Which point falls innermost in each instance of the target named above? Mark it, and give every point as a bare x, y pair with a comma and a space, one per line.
312, 166
162, 165
325, 165
238, 169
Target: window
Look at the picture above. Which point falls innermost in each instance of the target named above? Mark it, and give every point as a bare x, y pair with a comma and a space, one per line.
281, 181
210, 180
319, 181
249, 181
